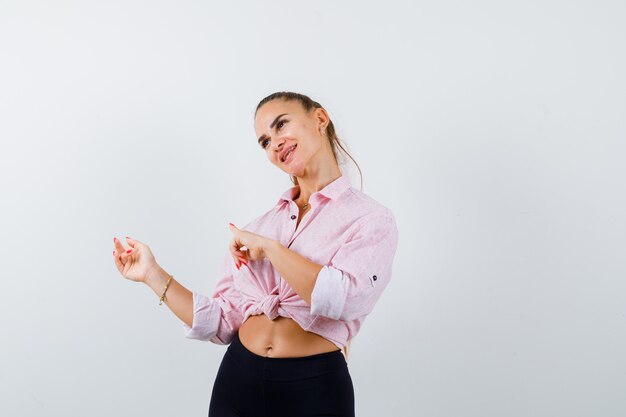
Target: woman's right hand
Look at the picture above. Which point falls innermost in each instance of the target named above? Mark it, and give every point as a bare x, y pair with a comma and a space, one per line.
134, 263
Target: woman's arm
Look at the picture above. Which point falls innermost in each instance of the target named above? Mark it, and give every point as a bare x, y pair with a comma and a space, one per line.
178, 298
299, 272
353, 281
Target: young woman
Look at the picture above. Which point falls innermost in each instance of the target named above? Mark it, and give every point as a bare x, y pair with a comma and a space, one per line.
296, 283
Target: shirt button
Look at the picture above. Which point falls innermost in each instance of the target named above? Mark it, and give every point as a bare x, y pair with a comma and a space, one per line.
293, 217
374, 277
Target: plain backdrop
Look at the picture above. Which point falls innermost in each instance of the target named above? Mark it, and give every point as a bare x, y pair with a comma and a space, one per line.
494, 130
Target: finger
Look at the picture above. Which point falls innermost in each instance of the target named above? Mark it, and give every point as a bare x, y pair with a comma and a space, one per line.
235, 260
239, 234
236, 231
132, 242
239, 251
118, 262
242, 261
118, 246
234, 252
245, 256
127, 255
235, 246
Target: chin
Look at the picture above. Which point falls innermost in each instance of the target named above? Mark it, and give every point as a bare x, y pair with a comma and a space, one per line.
296, 171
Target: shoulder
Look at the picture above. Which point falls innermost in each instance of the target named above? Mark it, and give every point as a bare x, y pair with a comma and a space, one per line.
366, 207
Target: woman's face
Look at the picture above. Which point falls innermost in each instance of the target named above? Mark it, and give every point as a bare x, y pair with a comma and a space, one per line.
284, 129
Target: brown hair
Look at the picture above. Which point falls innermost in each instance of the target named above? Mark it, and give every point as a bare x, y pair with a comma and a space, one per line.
308, 104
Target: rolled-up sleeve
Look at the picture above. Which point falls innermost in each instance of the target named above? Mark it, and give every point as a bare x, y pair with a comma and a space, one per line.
349, 286
217, 318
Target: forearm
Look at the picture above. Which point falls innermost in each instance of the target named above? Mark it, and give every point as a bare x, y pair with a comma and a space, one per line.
299, 272
178, 298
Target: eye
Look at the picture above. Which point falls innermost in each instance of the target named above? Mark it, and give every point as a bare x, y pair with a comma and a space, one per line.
278, 126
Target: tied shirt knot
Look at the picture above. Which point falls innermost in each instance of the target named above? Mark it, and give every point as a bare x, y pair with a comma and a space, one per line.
269, 306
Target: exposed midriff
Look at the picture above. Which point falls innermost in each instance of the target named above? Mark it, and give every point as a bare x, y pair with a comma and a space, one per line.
281, 338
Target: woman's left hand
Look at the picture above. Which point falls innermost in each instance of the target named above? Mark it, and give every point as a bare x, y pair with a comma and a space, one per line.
255, 245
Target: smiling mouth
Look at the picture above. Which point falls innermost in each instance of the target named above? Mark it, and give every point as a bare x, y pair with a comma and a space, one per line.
288, 153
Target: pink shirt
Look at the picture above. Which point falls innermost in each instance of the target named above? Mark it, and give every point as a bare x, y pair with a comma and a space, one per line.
352, 235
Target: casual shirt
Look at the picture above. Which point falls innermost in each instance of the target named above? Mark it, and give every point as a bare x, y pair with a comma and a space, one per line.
352, 235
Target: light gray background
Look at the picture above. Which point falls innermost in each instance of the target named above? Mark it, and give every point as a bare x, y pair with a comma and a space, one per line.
494, 130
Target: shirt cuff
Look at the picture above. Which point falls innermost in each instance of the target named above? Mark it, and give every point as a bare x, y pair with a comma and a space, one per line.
206, 318
329, 293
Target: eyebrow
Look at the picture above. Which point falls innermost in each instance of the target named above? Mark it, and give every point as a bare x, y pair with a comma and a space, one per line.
264, 136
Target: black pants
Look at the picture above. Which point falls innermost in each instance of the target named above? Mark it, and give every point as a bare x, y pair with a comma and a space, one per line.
249, 385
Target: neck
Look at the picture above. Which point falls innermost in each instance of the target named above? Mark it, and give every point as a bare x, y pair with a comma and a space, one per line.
310, 184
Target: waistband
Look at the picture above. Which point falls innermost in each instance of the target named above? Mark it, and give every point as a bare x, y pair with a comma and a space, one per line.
284, 369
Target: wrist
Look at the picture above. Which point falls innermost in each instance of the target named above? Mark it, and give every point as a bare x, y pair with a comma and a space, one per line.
156, 277
270, 247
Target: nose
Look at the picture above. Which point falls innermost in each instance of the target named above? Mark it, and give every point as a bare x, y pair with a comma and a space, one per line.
278, 144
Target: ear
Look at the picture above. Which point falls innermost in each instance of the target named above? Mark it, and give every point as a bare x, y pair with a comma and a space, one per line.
321, 118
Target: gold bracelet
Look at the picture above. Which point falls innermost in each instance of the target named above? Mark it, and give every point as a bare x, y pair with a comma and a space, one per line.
164, 291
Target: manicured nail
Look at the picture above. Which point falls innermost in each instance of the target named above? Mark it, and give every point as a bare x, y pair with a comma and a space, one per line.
243, 262
113, 252
114, 239
231, 224
128, 251
129, 237
237, 265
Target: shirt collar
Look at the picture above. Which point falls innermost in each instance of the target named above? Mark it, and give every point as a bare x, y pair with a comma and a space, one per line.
332, 190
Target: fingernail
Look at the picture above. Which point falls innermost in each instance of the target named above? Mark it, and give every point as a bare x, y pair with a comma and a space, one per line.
237, 265
113, 252
114, 239
128, 251
128, 237
244, 262
231, 224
